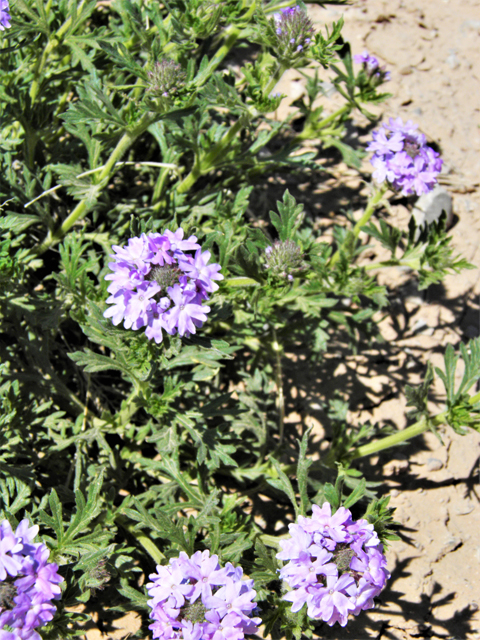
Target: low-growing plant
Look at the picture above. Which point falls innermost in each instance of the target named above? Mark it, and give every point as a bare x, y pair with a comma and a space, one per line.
159, 287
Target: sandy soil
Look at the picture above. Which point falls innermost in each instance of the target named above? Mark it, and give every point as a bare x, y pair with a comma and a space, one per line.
432, 49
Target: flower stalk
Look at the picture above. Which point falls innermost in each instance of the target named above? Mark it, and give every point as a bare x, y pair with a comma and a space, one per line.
81, 209
373, 203
422, 425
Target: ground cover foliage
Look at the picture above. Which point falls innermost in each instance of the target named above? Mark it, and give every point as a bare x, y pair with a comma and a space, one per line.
129, 118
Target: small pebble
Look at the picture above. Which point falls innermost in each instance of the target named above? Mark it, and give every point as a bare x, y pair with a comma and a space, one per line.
430, 206
434, 464
465, 508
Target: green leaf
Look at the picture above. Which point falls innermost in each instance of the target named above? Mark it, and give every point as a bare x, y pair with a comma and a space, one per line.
303, 466
350, 156
332, 496
356, 495
56, 520
283, 484
93, 362
87, 510
290, 218
137, 598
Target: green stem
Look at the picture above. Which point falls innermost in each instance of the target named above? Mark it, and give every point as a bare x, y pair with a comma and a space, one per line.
187, 183
277, 349
81, 209
372, 204
410, 432
232, 33
207, 162
279, 71
35, 86
51, 45
401, 436
326, 121
153, 551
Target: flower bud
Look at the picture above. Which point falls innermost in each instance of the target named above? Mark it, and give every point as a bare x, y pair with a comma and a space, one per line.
294, 31
284, 259
166, 78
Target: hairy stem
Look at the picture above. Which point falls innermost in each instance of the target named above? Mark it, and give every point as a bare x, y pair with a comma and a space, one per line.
277, 349
207, 162
81, 209
410, 432
279, 71
149, 546
312, 128
372, 204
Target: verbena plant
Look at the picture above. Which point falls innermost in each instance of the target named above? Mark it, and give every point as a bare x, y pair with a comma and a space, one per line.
141, 154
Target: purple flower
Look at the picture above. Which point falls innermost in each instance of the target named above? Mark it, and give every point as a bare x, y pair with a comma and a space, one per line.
333, 602
336, 565
204, 568
187, 312
375, 74
193, 598
26, 595
11, 561
153, 271
205, 273
4, 15
156, 320
370, 62
402, 158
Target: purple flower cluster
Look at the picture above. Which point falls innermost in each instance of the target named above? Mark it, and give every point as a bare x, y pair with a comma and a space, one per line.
403, 159
294, 30
336, 566
372, 67
193, 598
159, 285
28, 583
4, 15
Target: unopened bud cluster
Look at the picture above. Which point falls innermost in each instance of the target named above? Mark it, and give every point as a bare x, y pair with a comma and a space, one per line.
284, 259
294, 30
166, 78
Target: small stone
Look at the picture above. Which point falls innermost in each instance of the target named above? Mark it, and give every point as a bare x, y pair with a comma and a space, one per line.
430, 207
434, 464
452, 544
453, 61
422, 327
464, 508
